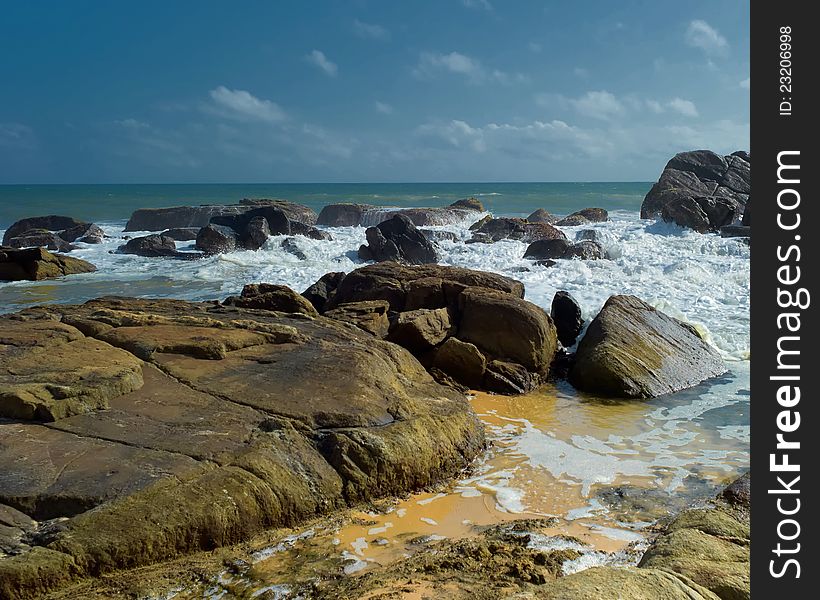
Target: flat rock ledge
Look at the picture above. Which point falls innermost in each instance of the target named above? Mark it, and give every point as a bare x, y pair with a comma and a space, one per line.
133, 431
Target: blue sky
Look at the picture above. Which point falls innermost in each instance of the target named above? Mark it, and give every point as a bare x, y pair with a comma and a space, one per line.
445, 90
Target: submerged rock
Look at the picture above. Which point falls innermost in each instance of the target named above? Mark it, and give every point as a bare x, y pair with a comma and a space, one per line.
36, 264
635, 351
397, 239
700, 190
182, 427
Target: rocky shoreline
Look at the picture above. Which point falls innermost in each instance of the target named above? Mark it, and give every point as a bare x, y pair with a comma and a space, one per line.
136, 431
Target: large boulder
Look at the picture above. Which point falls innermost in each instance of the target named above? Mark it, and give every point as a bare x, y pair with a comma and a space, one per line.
87, 233
269, 296
584, 216
199, 425
547, 249
700, 190
256, 233
36, 264
421, 329
367, 315
158, 219
45, 223
506, 327
635, 351
319, 293
182, 234
342, 215
151, 246
40, 238
462, 361
585, 250
278, 221
470, 203
397, 239
216, 239
541, 215
350, 215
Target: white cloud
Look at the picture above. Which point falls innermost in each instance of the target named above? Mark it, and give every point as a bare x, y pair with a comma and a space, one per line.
318, 59
654, 106
244, 106
685, 107
384, 108
599, 105
370, 30
479, 4
701, 35
472, 69
746, 84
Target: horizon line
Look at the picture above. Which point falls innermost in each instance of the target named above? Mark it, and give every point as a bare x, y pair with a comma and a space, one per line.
328, 182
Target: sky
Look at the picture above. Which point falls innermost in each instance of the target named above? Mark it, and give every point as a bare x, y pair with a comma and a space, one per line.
367, 91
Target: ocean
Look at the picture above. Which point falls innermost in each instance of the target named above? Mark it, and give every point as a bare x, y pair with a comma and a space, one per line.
554, 454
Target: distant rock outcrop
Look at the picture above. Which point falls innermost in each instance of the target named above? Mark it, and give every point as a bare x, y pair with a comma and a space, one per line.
159, 219
701, 190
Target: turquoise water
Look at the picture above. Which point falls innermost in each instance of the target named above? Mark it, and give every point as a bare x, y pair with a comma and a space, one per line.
115, 202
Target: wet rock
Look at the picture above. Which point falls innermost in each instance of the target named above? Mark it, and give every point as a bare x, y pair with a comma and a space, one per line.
545, 263
542, 216
158, 219
566, 314
633, 350
573, 220
586, 250
739, 492
278, 221
368, 315
397, 239
478, 224
269, 296
152, 246
700, 190
635, 584
36, 264
438, 235
297, 228
506, 327
342, 215
320, 292
509, 378
747, 213
585, 215
182, 234
469, 204
290, 246
547, 249
45, 223
187, 449
216, 239
494, 230
256, 233
87, 233
40, 238
462, 361
421, 329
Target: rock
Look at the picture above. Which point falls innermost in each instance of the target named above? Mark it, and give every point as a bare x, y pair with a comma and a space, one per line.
708, 545
158, 219
469, 203
320, 292
509, 378
747, 213
182, 234
246, 420
40, 238
293, 211
505, 327
342, 215
545, 263
36, 264
216, 239
566, 314
397, 239
278, 221
290, 246
515, 229
586, 250
268, 296
635, 584
633, 350
256, 233
480, 223
573, 220
439, 235
46, 223
297, 228
734, 231
542, 216
368, 315
87, 233
546, 249
150, 246
462, 361
739, 492
700, 190
407, 287
421, 329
